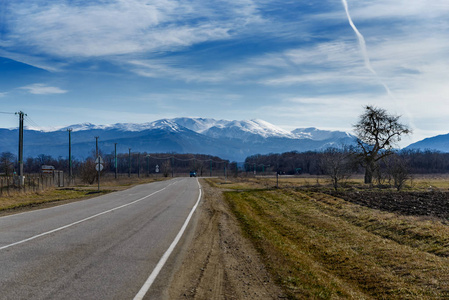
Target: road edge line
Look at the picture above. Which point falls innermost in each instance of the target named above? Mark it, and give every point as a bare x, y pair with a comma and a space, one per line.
146, 286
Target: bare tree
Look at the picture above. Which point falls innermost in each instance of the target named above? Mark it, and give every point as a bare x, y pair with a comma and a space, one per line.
87, 171
7, 162
377, 133
398, 170
336, 163
166, 168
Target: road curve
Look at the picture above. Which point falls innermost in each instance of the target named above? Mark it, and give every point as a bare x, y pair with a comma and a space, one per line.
101, 248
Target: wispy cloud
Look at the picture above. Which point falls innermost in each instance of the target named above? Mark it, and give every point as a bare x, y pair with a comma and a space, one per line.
295, 61
164, 69
123, 26
417, 9
43, 89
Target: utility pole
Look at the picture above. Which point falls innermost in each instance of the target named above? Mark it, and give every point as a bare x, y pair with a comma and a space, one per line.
225, 173
115, 159
21, 179
70, 154
277, 179
138, 164
129, 163
99, 161
96, 146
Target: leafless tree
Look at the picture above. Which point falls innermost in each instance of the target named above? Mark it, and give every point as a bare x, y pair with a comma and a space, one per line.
398, 170
336, 163
166, 168
7, 162
87, 171
377, 133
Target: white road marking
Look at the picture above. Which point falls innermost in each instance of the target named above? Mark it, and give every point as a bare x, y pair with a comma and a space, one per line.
80, 221
146, 286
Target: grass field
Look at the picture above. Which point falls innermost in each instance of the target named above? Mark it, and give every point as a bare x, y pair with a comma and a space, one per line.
19, 200
415, 183
321, 247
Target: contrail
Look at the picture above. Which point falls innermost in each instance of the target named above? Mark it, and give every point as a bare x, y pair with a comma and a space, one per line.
362, 45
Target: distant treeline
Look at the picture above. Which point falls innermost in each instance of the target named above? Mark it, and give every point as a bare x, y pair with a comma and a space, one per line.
418, 162
140, 163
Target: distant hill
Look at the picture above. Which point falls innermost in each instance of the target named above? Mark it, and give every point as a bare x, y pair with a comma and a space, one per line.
436, 143
233, 140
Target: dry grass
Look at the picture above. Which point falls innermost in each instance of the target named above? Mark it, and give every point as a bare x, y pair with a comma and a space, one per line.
430, 182
321, 247
435, 182
20, 200
242, 183
23, 200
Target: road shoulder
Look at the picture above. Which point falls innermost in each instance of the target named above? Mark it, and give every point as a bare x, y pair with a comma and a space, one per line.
219, 263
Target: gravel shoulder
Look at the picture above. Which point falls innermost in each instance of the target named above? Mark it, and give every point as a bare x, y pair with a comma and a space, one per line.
218, 262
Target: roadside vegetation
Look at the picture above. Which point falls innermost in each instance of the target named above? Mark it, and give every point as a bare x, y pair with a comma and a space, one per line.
321, 246
15, 200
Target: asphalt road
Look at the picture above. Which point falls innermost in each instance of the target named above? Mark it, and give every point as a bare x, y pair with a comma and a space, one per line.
101, 248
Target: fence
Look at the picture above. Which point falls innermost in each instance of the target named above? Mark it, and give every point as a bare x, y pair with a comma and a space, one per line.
9, 185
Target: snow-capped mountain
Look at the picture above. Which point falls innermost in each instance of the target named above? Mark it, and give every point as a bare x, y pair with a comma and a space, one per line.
319, 135
159, 124
198, 125
233, 140
247, 130
232, 129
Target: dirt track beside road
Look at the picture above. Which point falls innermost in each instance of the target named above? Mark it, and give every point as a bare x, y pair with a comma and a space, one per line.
219, 262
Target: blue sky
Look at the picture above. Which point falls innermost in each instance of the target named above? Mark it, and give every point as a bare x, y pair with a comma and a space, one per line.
291, 63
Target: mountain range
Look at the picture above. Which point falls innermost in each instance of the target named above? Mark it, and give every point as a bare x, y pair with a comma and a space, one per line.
437, 143
233, 140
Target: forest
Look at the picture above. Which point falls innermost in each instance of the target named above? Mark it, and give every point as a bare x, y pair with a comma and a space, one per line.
417, 162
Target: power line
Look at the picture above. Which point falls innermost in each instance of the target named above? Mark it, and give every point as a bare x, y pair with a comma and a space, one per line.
29, 121
7, 113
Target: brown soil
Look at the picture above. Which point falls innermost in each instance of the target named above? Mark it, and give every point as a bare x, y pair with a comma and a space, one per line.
220, 263
432, 204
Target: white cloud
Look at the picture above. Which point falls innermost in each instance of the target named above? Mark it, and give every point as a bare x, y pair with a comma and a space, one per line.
400, 9
304, 52
43, 89
163, 69
123, 26
336, 112
369, 10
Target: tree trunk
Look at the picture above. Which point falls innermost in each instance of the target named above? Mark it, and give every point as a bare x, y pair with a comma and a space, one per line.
369, 171
335, 183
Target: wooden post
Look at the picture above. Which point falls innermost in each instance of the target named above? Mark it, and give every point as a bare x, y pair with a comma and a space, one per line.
277, 179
